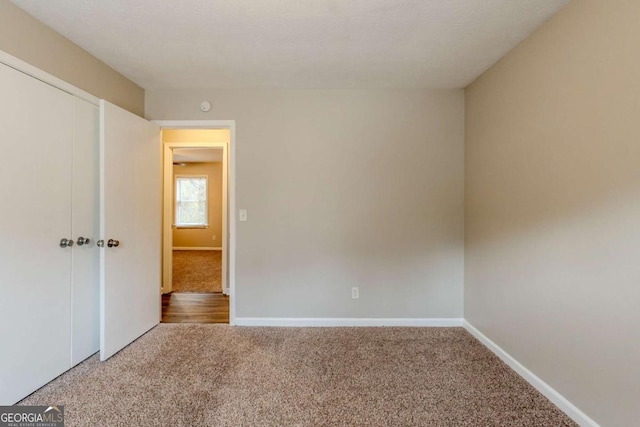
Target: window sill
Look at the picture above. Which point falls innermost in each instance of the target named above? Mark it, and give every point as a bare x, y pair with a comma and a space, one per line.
190, 226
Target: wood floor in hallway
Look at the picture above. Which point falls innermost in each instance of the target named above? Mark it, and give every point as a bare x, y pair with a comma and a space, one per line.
195, 308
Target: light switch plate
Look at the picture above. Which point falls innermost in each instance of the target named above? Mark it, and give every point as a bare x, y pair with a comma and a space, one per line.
243, 215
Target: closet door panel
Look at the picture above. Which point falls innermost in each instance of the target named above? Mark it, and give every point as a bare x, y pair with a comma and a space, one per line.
36, 123
131, 206
85, 303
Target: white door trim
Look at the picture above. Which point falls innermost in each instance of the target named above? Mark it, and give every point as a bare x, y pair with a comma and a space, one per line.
231, 188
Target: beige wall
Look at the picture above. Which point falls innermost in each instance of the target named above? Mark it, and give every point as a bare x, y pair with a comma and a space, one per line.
203, 237
553, 206
343, 188
26, 38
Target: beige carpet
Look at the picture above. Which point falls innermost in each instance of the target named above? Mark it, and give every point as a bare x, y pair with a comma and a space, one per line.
212, 375
197, 271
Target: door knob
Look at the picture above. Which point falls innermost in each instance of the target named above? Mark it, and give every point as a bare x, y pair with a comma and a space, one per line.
66, 243
113, 243
82, 241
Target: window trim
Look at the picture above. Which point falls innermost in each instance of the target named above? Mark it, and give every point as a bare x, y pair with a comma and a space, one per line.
175, 203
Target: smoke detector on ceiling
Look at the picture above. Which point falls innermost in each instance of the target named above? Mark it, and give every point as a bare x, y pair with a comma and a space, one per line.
205, 106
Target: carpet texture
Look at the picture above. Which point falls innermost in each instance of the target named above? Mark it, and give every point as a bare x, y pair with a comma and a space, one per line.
212, 375
197, 271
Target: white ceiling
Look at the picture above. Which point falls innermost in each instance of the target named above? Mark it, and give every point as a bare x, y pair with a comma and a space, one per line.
187, 155
296, 43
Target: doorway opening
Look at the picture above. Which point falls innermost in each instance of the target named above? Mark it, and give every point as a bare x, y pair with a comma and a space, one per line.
196, 231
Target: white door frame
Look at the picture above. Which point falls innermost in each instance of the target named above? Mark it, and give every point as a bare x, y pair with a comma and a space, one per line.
231, 192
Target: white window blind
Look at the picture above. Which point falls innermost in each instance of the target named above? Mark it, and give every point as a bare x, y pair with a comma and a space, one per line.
191, 201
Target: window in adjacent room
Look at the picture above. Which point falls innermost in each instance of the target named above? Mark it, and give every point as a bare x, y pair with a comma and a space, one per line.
191, 201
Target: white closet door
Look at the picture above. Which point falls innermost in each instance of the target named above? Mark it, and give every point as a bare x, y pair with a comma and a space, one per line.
36, 122
85, 303
130, 186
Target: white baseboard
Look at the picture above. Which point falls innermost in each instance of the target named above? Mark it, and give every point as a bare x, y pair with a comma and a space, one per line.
188, 248
329, 321
550, 393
